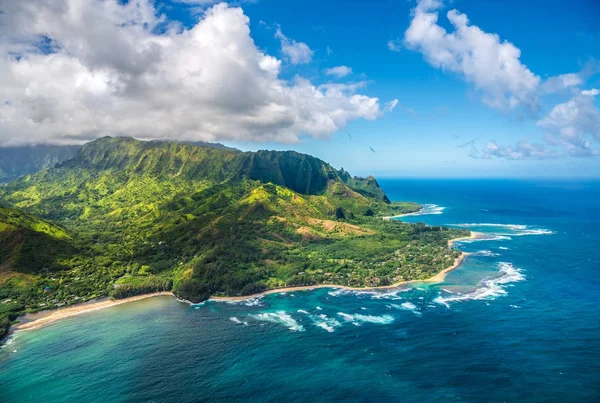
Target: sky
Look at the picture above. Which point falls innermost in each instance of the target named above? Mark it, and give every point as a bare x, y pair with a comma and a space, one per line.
393, 88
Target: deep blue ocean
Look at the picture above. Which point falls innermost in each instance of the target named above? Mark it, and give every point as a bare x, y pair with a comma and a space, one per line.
518, 321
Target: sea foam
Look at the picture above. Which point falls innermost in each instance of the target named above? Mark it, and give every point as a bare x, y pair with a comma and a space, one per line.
486, 253
406, 306
239, 322
280, 318
507, 229
358, 319
490, 288
428, 209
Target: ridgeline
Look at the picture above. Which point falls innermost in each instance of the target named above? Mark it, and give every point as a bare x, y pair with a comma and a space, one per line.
124, 217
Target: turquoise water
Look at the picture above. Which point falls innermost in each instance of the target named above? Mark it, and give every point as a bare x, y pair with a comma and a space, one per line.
518, 321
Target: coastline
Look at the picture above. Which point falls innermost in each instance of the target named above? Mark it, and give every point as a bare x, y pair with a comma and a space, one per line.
391, 217
40, 319
438, 278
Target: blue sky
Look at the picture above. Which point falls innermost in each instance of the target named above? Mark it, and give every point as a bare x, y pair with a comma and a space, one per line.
449, 117
438, 112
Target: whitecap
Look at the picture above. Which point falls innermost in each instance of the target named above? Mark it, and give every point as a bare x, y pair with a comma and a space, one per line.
10, 340
252, 301
486, 253
503, 248
325, 322
235, 320
302, 311
358, 319
281, 318
490, 288
319, 308
428, 209
508, 229
406, 306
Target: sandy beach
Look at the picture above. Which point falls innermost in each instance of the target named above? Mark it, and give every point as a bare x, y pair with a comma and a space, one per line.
36, 320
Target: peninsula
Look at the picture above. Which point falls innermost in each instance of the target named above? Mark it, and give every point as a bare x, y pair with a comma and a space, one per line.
125, 217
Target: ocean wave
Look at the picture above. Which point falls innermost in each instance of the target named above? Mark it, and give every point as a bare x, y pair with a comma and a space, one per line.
325, 322
9, 340
280, 318
428, 209
236, 320
322, 321
486, 253
358, 319
490, 288
508, 229
253, 301
374, 294
406, 306
488, 237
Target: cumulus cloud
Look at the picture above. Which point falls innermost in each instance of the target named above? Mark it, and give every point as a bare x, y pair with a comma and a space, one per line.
572, 122
296, 52
493, 66
74, 70
339, 71
521, 151
395, 45
561, 82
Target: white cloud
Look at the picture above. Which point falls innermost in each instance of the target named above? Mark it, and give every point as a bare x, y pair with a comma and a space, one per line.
561, 82
390, 106
339, 71
395, 45
491, 65
104, 70
296, 52
521, 151
573, 121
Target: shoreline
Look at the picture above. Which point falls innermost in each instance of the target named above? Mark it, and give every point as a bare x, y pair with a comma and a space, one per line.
40, 319
438, 278
391, 217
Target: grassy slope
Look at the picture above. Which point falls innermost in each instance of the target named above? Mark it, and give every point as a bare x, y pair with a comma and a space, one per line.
205, 221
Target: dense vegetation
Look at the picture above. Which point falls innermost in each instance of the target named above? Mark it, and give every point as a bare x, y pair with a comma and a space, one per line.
125, 217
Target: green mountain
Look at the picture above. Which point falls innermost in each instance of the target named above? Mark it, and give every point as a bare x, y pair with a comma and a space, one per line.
21, 161
16, 162
126, 217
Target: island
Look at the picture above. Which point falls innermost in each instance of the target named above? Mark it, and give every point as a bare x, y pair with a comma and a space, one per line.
123, 218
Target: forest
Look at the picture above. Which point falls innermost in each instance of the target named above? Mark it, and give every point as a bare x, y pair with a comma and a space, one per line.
125, 217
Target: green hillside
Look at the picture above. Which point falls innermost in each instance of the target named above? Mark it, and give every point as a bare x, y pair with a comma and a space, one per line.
131, 217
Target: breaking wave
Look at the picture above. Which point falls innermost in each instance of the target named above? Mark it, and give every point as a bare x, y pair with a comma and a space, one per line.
407, 306
486, 253
280, 318
253, 301
428, 209
489, 288
239, 322
358, 319
322, 321
507, 229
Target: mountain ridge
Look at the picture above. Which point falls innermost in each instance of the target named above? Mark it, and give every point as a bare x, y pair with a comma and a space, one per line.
202, 221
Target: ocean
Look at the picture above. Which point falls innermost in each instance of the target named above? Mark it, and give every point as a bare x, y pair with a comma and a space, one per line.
519, 320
